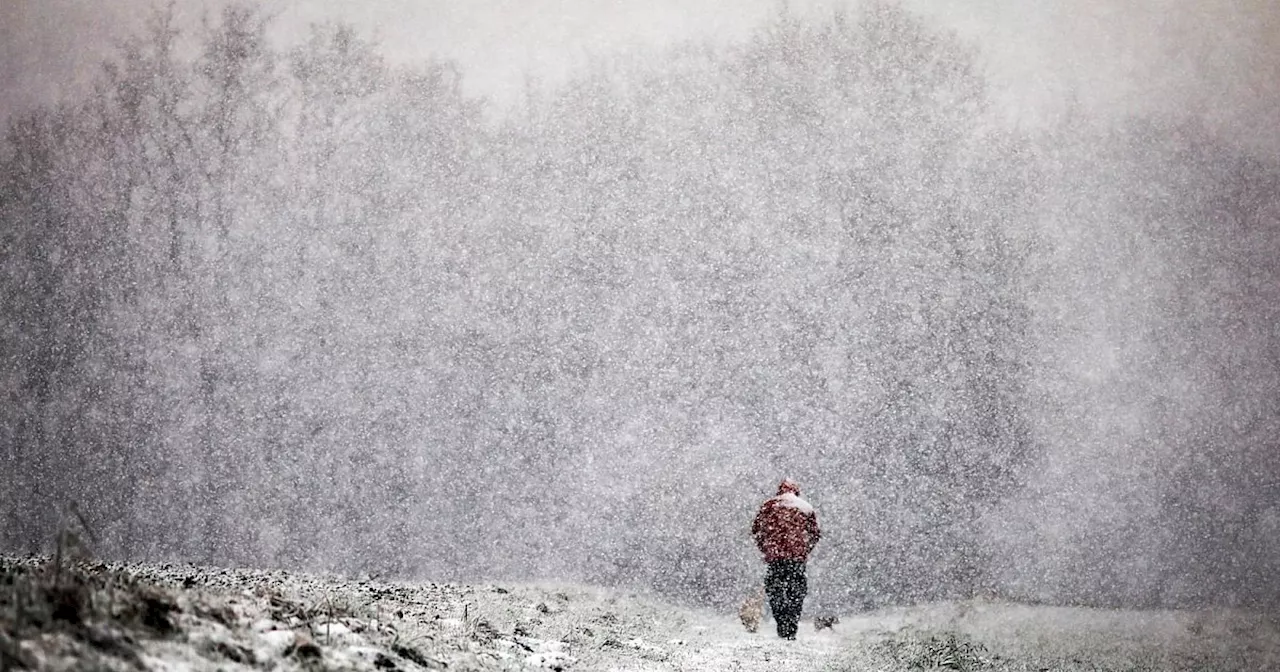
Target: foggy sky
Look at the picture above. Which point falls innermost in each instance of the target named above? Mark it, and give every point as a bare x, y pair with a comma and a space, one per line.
1219, 61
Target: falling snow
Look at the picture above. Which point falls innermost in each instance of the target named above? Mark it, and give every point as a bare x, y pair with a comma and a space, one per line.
303, 305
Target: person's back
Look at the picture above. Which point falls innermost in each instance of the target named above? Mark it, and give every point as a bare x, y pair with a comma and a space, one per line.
786, 530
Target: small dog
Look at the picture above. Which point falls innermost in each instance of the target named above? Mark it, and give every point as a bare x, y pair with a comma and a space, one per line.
752, 610
825, 621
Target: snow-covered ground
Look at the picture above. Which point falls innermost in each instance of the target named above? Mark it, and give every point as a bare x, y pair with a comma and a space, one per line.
181, 617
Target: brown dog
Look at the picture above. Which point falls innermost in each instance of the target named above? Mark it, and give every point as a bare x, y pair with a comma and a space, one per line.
825, 621
752, 610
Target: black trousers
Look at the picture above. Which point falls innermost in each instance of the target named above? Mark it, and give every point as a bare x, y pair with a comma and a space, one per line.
786, 586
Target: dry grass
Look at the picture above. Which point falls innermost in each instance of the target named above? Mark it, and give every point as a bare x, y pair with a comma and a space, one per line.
88, 612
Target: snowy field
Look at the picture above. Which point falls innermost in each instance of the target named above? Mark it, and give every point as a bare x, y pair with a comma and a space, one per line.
181, 617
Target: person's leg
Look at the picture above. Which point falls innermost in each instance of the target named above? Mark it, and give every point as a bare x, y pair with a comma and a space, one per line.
784, 619
775, 589
793, 599
800, 589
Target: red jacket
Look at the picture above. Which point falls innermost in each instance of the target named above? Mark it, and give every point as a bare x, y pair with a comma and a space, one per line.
786, 528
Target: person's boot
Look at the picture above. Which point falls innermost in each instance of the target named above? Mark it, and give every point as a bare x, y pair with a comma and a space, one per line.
787, 627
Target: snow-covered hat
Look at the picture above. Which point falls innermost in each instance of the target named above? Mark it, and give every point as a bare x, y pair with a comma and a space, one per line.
788, 485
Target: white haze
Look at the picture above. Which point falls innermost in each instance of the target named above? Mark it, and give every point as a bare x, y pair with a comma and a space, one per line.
1219, 60
1148, 333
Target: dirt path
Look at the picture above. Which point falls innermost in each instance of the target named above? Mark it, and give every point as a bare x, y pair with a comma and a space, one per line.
722, 645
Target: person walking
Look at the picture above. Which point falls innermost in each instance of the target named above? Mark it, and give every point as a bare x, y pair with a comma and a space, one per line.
786, 530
